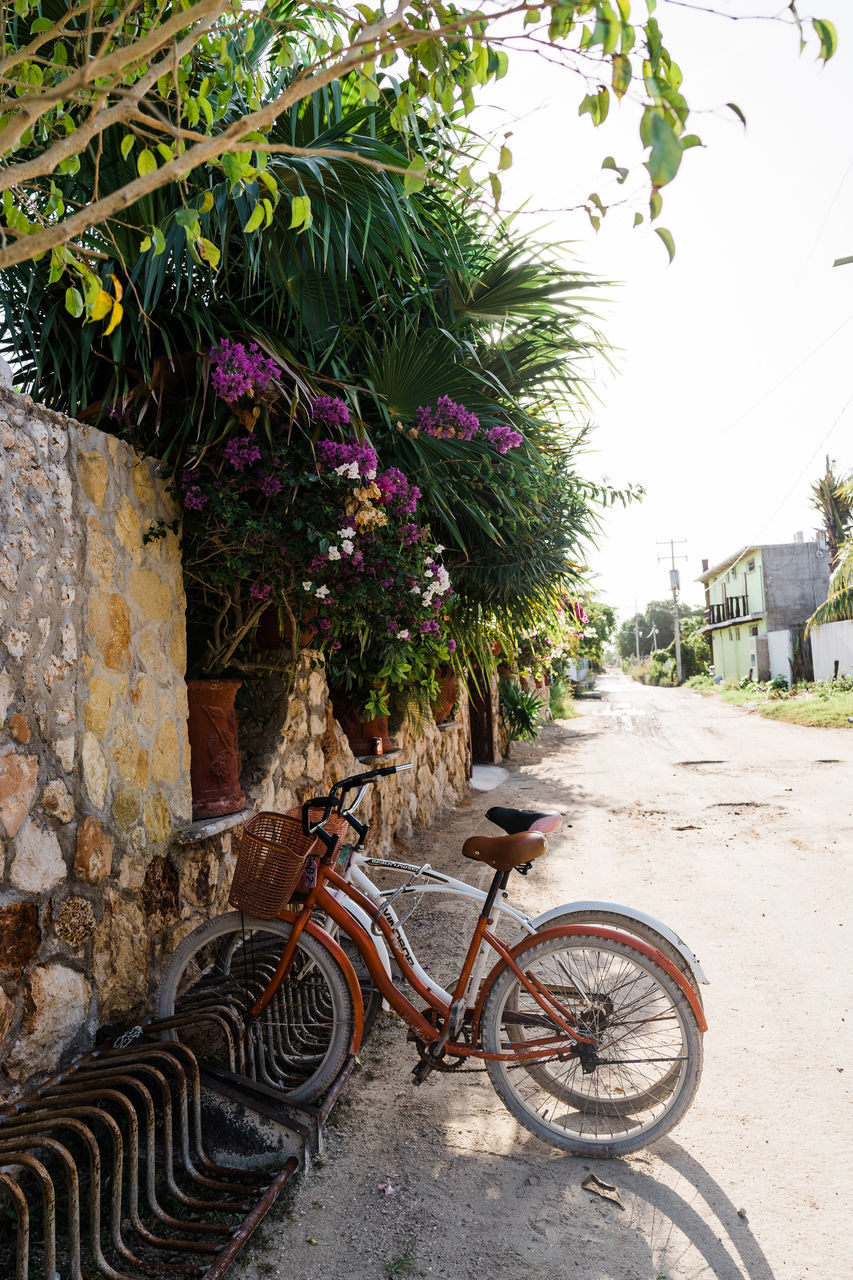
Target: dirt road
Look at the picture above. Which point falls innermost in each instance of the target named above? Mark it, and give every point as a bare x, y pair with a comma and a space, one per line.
738, 832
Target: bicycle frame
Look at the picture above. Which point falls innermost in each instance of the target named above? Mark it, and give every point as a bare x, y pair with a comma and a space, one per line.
429, 1031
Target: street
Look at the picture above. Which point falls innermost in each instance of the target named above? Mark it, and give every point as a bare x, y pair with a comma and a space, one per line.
734, 830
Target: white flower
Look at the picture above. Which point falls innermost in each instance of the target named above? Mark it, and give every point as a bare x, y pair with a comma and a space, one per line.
334, 554
348, 469
416, 591
306, 586
346, 533
403, 635
438, 550
370, 475
321, 593
347, 547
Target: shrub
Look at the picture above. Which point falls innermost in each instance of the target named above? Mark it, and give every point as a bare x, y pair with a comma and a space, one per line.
521, 711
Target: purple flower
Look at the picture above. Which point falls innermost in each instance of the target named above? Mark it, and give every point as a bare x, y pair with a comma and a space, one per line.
504, 438
260, 590
270, 486
447, 419
331, 411
194, 499
396, 491
241, 452
430, 627
237, 370
451, 645
357, 461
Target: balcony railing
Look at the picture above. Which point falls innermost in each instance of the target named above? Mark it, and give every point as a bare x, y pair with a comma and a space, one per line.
731, 608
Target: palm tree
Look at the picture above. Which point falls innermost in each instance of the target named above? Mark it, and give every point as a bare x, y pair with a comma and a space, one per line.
838, 606
832, 497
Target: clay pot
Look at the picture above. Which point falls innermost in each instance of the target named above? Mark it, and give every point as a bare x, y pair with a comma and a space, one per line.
360, 733
274, 629
442, 708
214, 753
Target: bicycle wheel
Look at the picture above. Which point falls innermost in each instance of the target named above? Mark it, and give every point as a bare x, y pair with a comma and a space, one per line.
647, 1062
300, 1041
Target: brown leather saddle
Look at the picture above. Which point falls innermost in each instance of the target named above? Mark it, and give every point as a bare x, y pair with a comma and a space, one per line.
502, 853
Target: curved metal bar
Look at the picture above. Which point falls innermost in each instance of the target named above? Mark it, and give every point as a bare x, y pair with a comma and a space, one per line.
65, 1157
22, 1210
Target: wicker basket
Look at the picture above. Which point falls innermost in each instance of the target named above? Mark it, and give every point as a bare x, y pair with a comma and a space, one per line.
272, 855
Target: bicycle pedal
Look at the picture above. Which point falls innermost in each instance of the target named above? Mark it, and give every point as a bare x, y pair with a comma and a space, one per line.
421, 1070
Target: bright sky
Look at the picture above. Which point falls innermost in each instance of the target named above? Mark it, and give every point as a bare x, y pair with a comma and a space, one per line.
732, 377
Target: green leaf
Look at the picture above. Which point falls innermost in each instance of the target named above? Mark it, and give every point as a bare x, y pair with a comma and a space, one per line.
146, 163
621, 74
733, 106
300, 212
655, 204
159, 241
127, 144
415, 176
74, 302
610, 163
638, 218
495, 184
505, 161
666, 152
828, 37
667, 240
257, 217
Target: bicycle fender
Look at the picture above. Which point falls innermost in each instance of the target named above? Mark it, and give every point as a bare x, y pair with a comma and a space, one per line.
591, 931
629, 914
339, 954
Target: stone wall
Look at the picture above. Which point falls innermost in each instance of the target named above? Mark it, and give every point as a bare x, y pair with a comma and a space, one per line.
101, 869
93, 753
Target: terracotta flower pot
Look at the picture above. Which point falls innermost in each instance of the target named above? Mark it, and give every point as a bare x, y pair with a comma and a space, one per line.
448, 695
274, 629
360, 733
214, 753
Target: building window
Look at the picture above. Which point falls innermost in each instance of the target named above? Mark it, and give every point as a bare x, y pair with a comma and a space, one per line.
753, 631
750, 568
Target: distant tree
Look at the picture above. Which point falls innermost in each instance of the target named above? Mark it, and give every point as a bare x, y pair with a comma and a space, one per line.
838, 606
656, 627
832, 498
598, 633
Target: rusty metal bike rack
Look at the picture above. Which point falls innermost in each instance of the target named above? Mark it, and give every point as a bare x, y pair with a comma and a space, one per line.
105, 1172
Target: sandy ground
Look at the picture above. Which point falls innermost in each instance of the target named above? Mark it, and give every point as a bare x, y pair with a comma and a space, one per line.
737, 832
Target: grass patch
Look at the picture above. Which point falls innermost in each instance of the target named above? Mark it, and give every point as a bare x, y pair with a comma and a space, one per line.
739, 697
822, 713
403, 1263
699, 682
562, 701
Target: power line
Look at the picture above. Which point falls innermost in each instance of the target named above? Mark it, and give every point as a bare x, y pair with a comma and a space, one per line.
808, 464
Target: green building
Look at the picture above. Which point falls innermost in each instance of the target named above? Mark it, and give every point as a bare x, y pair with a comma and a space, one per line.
756, 605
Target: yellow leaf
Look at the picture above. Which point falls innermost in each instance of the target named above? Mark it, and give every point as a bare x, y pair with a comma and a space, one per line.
118, 312
117, 288
206, 202
101, 305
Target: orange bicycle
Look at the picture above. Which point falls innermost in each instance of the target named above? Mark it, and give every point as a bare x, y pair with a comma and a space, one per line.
591, 1037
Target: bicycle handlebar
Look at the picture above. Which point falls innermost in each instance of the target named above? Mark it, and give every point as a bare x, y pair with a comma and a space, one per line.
336, 801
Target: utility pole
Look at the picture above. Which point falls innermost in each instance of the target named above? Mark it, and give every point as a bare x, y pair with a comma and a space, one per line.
653, 636
675, 584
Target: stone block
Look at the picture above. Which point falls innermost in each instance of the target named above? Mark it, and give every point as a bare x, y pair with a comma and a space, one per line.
56, 1010
20, 936
108, 626
129, 758
19, 727
165, 754
143, 484
160, 894
126, 807
158, 823
128, 528
18, 775
64, 748
93, 474
7, 694
38, 864
99, 708
143, 698
94, 858
150, 595
56, 800
95, 772
75, 921
100, 552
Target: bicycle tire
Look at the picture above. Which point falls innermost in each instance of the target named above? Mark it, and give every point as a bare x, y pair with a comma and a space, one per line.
301, 1040
639, 1015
